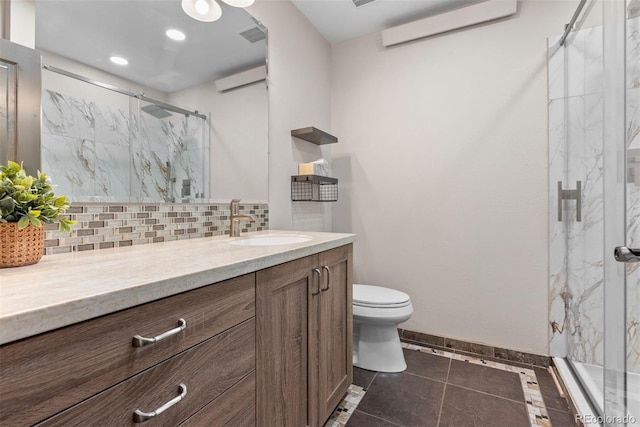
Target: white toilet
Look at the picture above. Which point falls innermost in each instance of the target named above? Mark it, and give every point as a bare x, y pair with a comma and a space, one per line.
377, 311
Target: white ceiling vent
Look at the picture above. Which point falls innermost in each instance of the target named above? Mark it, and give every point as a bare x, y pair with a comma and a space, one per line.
359, 3
253, 34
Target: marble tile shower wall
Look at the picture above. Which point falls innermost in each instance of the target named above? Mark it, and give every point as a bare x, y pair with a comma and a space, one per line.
106, 154
102, 226
576, 138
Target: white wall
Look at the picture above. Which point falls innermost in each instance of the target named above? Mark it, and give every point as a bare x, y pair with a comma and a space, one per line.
24, 13
443, 166
239, 142
299, 96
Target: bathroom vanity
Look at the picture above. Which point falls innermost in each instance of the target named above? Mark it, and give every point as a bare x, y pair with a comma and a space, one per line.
197, 332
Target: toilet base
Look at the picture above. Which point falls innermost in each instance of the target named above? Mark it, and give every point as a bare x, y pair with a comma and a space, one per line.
377, 348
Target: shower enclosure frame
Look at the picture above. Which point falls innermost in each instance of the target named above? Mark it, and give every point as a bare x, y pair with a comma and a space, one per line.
141, 96
166, 166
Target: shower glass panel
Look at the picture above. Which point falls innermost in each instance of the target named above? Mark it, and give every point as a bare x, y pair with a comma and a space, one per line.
594, 134
168, 161
104, 146
631, 227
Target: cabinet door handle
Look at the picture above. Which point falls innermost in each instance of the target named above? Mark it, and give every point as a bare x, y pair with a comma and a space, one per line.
141, 417
328, 270
317, 271
139, 341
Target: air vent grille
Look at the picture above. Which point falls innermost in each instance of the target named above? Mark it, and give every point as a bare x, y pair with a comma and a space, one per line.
359, 3
254, 35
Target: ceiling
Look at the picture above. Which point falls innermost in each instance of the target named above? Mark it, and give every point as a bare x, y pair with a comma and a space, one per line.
340, 20
92, 31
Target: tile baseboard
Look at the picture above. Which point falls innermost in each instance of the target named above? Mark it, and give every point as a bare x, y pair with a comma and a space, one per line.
481, 350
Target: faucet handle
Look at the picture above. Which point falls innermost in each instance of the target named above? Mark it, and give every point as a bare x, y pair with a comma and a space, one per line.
234, 206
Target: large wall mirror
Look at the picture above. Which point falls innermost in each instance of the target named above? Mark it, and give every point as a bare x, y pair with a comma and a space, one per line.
185, 120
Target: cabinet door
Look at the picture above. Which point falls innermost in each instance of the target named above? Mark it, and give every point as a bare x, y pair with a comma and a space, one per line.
285, 343
335, 329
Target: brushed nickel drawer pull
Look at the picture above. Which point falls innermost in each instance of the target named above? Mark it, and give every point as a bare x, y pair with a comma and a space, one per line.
328, 270
140, 417
139, 341
317, 271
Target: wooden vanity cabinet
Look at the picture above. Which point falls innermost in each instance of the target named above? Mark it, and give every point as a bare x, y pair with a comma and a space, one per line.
95, 362
304, 338
270, 348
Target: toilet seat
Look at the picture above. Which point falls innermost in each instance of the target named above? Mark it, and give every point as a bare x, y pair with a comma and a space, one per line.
379, 297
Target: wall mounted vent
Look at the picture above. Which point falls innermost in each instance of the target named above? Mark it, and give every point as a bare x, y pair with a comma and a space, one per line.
243, 78
359, 3
253, 34
485, 11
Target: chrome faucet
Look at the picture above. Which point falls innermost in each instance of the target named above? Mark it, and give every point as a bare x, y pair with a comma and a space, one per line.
235, 218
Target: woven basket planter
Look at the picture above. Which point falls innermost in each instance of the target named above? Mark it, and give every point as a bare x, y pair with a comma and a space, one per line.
20, 247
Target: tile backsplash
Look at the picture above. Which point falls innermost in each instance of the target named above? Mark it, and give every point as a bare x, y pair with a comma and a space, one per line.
112, 225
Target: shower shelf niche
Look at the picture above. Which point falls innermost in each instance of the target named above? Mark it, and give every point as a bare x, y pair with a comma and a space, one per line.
314, 188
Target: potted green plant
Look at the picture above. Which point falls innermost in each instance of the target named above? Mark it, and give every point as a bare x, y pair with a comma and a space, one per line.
26, 202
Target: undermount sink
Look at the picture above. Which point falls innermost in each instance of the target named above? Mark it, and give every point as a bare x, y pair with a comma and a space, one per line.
270, 240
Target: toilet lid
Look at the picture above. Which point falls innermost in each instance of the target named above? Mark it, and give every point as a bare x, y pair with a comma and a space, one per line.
377, 296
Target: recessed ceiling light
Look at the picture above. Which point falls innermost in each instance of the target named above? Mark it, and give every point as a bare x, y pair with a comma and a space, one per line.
176, 35
119, 60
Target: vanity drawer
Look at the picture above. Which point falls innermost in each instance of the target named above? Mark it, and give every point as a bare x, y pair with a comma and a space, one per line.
42, 375
235, 408
207, 371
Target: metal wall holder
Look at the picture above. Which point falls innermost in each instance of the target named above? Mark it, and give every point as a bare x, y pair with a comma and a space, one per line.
570, 195
314, 188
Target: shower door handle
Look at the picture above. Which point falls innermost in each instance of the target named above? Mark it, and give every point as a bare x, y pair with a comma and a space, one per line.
570, 195
625, 254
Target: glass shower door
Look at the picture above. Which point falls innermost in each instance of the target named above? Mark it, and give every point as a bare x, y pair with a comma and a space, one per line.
621, 214
594, 151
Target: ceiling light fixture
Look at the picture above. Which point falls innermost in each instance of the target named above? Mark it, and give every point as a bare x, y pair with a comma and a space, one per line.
118, 60
202, 10
239, 3
175, 35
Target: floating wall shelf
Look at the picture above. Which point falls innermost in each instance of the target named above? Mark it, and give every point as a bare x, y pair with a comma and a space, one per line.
314, 135
314, 188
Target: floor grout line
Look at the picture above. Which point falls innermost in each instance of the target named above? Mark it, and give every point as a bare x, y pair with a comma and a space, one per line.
444, 391
380, 418
521, 402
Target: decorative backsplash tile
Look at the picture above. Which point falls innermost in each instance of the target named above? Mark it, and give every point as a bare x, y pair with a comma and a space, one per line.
103, 226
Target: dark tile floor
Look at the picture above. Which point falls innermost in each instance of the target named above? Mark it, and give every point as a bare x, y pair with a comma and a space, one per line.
442, 392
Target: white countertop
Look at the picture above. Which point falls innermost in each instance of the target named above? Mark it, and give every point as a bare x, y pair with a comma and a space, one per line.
65, 289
